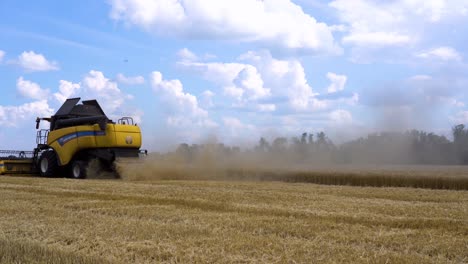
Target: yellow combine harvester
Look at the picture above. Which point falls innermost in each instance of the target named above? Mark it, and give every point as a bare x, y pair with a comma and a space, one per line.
78, 134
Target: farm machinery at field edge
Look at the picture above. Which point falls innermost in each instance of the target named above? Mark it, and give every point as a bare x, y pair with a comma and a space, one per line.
78, 134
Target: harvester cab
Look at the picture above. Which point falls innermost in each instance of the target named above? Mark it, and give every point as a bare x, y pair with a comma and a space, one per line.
79, 133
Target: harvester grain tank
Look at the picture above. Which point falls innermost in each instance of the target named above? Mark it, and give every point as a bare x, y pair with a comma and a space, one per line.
78, 133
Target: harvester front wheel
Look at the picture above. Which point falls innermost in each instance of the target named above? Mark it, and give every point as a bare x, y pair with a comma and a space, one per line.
78, 169
48, 164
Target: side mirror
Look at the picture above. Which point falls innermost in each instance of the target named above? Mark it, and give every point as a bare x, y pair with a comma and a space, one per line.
38, 120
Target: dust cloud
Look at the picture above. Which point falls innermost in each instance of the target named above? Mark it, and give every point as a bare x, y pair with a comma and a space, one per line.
396, 107
391, 151
207, 164
97, 170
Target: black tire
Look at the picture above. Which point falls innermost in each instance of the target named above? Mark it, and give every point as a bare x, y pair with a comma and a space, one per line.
78, 169
112, 170
111, 167
48, 165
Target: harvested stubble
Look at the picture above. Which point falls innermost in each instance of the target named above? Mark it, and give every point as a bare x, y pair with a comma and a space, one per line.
96, 221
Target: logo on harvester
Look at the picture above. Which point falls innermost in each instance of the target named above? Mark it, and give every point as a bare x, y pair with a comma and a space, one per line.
129, 140
67, 138
79, 134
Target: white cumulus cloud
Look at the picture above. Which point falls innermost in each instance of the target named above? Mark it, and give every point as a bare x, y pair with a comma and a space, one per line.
246, 82
251, 83
259, 77
30, 89
441, 53
240, 81
373, 39
338, 82
107, 93
2, 54
31, 61
131, 80
286, 78
186, 55
373, 24
12, 116
207, 98
273, 23
66, 90
183, 108
266, 107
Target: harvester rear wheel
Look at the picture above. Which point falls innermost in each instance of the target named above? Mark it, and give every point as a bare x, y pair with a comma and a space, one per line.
48, 164
78, 169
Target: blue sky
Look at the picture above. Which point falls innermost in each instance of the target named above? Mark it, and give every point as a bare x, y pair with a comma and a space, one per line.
193, 70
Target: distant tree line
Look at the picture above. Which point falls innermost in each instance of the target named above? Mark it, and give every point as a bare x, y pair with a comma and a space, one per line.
410, 147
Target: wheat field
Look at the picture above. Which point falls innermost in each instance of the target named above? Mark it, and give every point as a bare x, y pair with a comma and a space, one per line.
167, 221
